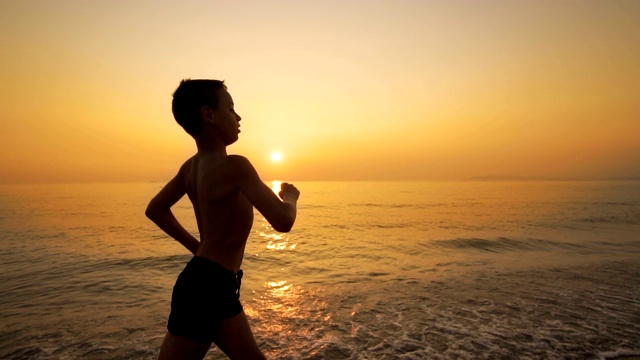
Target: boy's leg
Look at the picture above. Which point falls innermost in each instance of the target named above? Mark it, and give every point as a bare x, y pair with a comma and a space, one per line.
177, 347
236, 339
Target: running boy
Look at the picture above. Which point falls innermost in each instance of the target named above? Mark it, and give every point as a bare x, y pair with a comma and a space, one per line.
223, 189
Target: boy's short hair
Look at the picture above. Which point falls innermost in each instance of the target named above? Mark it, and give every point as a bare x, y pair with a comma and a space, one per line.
190, 97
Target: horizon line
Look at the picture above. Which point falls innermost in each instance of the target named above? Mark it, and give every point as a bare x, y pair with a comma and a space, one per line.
471, 179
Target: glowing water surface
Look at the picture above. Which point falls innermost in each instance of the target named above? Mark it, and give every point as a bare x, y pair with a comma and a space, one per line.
370, 271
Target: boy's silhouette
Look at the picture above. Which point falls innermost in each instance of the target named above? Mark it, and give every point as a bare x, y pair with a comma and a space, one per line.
223, 189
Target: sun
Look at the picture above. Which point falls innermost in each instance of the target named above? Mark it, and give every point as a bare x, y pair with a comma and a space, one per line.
276, 156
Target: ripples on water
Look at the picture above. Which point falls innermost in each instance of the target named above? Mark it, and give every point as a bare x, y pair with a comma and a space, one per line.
370, 271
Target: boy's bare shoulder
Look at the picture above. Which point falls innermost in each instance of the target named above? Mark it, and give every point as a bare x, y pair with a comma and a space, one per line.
185, 168
229, 167
241, 167
237, 159
239, 162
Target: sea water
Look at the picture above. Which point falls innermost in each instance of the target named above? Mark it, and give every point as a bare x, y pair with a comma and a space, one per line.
371, 270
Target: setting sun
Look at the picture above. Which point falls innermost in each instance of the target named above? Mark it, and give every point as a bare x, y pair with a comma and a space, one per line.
276, 156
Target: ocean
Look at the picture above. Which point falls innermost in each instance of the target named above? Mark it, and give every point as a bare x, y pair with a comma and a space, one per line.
371, 270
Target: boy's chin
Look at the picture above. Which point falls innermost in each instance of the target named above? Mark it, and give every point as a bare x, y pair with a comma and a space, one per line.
231, 141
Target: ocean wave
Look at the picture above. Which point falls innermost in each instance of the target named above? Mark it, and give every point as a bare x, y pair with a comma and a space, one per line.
620, 354
502, 244
170, 263
424, 205
624, 220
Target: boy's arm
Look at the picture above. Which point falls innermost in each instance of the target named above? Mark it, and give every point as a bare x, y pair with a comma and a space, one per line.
159, 211
281, 214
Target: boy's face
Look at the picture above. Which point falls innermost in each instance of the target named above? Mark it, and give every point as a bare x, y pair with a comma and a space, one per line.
226, 119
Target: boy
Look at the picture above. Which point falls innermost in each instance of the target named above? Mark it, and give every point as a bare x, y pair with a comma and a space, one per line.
223, 189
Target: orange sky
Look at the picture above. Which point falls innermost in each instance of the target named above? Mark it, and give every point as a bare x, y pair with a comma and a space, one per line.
347, 90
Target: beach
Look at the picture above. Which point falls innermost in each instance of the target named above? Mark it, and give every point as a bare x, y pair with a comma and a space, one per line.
371, 270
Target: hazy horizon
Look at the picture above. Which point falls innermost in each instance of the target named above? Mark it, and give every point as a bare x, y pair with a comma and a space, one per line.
409, 90
496, 179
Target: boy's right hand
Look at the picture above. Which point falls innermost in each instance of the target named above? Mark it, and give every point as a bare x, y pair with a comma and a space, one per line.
288, 191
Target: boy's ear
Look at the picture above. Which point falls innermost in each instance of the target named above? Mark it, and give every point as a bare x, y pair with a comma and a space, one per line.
206, 113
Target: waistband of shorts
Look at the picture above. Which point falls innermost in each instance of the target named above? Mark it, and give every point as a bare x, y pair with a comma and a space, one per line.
203, 261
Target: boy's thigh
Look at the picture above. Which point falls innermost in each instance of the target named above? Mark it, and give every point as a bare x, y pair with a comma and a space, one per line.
177, 347
235, 338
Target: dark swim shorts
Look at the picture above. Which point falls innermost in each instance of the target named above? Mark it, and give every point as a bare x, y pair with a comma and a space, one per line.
204, 294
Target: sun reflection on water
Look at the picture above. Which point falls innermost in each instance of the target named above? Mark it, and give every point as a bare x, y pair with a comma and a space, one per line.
275, 186
276, 240
272, 236
289, 317
278, 286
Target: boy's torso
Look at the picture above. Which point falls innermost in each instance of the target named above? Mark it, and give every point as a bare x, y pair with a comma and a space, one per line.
223, 214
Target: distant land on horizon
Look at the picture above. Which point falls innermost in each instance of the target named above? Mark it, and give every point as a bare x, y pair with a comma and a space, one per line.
547, 178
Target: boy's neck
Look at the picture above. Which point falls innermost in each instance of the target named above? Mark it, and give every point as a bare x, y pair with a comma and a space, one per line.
211, 146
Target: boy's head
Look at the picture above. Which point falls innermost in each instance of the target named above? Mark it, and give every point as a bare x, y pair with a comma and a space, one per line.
190, 97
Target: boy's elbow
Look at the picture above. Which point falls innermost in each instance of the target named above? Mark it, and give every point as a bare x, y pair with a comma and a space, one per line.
149, 213
152, 212
284, 228
284, 225
286, 219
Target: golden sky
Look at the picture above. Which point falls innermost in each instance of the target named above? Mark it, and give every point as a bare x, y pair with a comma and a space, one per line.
346, 90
